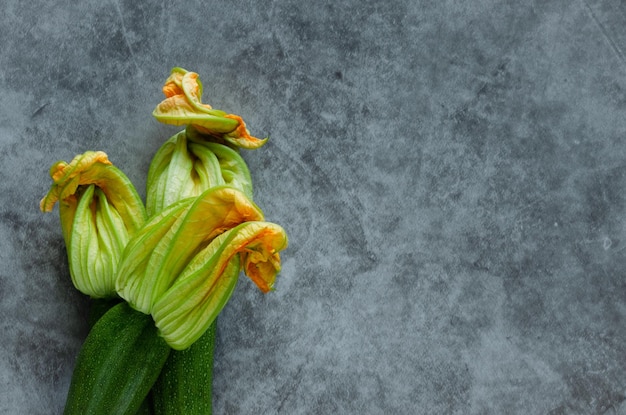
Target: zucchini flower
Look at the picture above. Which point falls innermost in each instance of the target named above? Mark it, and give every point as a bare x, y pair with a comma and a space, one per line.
183, 265
183, 106
100, 210
201, 291
186, 165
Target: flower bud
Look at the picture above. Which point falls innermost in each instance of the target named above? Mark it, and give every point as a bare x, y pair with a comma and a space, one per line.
187, 165
100, 210
202, 289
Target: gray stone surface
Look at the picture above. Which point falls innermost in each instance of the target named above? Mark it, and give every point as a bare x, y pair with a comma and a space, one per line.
451, 175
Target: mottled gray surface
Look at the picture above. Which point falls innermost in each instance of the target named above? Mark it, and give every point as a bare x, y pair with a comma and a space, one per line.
451, 175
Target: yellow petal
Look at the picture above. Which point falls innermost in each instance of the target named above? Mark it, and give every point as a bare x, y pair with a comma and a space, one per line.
63, 173
241, 136
262, 273
260, 257
173, 84
178, 110
80, 164
92, 167
192, 88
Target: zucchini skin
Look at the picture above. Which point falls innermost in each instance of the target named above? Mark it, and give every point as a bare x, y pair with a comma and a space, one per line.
98, 307
146, 406
185, 385
119, 362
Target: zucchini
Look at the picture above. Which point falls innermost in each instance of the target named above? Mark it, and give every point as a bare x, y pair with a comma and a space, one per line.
146, 406
185, 385
117, 365
98, 307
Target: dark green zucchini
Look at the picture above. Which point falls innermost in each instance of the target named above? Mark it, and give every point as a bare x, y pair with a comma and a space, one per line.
117, 365
185, 384
99, 306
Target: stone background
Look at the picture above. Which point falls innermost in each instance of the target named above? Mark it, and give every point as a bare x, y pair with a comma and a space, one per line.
451, 175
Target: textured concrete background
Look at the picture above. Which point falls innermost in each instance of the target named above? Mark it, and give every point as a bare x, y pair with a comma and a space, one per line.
451, 175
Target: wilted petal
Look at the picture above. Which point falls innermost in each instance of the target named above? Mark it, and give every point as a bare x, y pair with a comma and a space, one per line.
174, 83
178, 110
241, 137
68, 176
259, 244
192, 88
93, 167
183, 106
